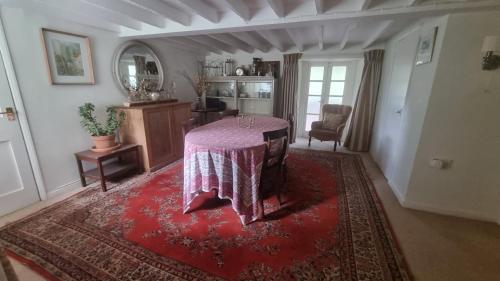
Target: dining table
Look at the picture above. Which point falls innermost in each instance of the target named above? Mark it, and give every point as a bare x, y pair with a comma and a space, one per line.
227, 156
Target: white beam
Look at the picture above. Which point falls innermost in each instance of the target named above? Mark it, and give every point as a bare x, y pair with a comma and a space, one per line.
278, 7
166, 10
57, 12
376, 34
130, 10
185, 47
319, 32
365, 5
347, 33
231, 25
233, 41
240, 8
255, 41
205, 40
414, 2
320, 6
297, 41
87, 9
191, 43
273, 39
202, 9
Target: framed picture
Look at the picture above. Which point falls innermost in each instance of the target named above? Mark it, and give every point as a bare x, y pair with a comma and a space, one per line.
426, 46
68, 57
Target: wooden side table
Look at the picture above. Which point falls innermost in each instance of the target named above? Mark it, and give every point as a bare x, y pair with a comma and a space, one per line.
111, 170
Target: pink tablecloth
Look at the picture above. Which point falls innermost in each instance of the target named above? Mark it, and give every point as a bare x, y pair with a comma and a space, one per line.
228, 158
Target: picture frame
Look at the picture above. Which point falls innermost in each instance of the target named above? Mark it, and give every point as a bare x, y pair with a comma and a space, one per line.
68, 57
425, 48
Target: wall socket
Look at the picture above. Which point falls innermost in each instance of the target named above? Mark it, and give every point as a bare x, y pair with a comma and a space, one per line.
440, 163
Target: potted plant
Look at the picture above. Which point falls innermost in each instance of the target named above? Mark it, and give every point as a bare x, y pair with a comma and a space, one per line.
103, 135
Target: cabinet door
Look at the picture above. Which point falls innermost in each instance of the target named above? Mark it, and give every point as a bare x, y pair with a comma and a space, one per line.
159, 130
180, 115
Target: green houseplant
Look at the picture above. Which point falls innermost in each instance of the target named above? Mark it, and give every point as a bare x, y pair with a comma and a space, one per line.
102, 134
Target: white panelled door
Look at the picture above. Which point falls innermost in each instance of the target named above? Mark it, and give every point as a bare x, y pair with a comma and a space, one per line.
324, 83
17, 183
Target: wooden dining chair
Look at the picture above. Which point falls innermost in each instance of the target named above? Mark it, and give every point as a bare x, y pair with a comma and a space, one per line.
228, 112
274, 165
189, 125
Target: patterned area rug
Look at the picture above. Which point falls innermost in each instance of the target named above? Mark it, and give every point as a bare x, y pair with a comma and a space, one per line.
332, 227
6, 270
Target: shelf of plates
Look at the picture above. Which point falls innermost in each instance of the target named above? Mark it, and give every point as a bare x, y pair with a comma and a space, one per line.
250, 94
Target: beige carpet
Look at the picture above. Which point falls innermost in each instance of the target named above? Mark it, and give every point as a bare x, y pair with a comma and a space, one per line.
436, 247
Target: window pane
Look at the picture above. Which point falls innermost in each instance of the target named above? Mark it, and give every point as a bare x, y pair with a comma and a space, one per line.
338, 72
309, 119
313, 104
317, 73
335, 100
337, 89
315, 88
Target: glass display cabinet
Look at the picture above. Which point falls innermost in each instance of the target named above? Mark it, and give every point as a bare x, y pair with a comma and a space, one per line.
222, 89
249, 94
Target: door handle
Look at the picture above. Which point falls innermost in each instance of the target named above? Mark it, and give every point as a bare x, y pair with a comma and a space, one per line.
9, 111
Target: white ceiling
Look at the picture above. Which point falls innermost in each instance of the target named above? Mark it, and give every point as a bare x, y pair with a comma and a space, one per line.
248, 25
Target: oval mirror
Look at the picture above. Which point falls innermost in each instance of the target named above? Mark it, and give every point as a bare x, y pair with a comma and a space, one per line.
134, 65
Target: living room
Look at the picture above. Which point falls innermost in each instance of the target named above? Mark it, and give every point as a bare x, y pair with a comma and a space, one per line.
386, 112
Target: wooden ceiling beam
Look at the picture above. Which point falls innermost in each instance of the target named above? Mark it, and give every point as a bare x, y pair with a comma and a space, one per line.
377, 33
278, 7
57, 12
205, 40
347, 33
272, 39
130, 10
240, 8
365, 5
233, 41
166, 10
297, 41
320, 34
320, 6
204, 10
195, 44
87, 9
255, 41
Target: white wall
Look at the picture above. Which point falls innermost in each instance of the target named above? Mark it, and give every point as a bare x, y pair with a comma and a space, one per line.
396, 136
462, 124
53, 110
451, 113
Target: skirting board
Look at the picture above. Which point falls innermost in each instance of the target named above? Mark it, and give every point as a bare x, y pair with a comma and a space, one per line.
65, 188
438, 210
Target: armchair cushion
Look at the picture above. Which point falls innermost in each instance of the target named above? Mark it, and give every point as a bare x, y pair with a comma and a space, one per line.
332, 121
316, 125
324, 134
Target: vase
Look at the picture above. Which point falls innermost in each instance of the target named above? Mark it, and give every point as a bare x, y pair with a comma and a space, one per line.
104, 143
199, 103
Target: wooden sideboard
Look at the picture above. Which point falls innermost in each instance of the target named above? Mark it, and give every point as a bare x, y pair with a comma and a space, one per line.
158, 129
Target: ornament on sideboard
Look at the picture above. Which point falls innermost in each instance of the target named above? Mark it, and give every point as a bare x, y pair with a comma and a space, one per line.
228, 67
256, 66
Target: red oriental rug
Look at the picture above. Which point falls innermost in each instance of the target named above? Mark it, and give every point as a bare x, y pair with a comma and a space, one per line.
332, 228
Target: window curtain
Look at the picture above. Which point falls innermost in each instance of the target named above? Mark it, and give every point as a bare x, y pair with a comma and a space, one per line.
289, 86
360, 130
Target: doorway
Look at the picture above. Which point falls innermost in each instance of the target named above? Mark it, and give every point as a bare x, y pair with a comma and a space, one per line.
324, 82
18, 188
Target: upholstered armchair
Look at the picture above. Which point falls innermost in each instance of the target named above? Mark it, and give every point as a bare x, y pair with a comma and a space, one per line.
331, 127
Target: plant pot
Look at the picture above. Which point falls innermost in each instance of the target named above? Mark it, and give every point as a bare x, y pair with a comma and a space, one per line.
104, 142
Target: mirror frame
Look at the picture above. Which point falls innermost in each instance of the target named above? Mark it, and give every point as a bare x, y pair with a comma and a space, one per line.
116, 63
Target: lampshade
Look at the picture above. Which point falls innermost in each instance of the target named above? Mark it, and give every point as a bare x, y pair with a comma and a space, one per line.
491, 43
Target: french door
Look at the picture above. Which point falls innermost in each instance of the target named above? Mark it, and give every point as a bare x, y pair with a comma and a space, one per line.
324, 83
